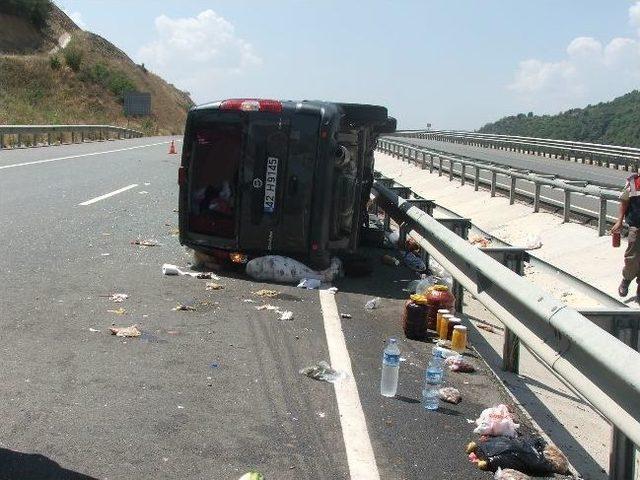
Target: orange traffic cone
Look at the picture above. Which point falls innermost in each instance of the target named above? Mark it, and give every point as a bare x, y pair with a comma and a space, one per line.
172, 148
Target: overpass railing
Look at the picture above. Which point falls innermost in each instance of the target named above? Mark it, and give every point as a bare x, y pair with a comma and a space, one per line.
471, 169
17, 136
622, 158
595, 351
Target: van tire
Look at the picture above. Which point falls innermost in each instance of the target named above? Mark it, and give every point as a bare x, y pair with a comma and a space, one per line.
359, 114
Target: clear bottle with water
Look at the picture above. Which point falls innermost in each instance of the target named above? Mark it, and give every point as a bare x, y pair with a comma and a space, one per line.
435, 371
431, 396
390, 369
433, 382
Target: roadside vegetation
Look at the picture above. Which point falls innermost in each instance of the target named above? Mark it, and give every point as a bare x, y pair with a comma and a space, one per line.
616, 122
36, 11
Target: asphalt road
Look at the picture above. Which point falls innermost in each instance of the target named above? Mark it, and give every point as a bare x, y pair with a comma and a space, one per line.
206, 394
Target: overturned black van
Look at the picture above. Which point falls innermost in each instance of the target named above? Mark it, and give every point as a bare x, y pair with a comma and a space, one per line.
278, 177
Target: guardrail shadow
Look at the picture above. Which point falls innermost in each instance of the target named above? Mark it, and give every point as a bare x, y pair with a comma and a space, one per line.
520, 388
16, 465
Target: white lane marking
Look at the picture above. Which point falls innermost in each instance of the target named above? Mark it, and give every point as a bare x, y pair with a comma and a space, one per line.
110, 194
360, 457
37, 162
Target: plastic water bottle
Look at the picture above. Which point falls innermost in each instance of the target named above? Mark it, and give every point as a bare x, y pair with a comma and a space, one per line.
390, 369
433, 382
435, 372
431, 396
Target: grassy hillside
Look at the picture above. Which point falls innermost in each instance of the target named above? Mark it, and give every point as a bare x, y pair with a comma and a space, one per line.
82, 83
616, 122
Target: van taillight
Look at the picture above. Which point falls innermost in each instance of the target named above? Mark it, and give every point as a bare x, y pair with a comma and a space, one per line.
182, 176
252, 105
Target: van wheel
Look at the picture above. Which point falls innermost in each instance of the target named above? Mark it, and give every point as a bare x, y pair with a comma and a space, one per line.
361, 114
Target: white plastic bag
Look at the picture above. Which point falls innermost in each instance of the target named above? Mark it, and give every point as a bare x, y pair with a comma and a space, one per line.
277, 268
496, 421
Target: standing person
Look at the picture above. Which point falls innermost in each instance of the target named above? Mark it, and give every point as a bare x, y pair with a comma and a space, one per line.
630, 211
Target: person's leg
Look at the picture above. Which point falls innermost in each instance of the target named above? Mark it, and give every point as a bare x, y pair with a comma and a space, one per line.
631, 267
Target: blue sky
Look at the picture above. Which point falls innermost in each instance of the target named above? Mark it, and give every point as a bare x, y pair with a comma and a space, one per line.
451, 63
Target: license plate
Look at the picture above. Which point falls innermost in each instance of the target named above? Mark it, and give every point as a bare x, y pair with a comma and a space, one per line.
270, 184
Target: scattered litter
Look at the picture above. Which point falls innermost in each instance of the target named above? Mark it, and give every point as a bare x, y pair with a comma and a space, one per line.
213, 286
252, 475
444, 352
93, 330
460, 364
286, 315
184, 308
510, 474
332, 290
532, 242
450, 395
323, 371
266, 307
309, 283
105, 254
180, 407
131, 331
321, 414
345, 315
479, 241
402, 359
143, 192
267, 293
146, 184
488, 328
414, 262
496, 421
213, 365
373, 303
174, 231
145, 243
444, 344
277, 268
118, 311
118, 297
248, 300
390, 260
169, 269
530, 456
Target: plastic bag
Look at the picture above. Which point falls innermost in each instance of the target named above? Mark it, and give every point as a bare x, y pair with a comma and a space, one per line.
373, 303
310, 283
277, 268
450, 395
425, 283
496, 421
323, 371
510, 474
442, 276
460, 364
532, 242
525, 456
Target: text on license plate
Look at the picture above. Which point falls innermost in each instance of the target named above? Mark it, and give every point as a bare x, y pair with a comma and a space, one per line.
270, 183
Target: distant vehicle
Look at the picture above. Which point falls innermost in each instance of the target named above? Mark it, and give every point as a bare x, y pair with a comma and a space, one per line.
278, 177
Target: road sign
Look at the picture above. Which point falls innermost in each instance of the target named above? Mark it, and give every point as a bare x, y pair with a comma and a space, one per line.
137, 103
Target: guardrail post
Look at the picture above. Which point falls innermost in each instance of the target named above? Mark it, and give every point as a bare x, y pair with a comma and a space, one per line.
512, 190
463, 173
566, 210
451, 164
459, 226
476, 178
1, 141
494, 177
536, 197
602, 217
19, 143
430, 163
439, 166
513, 258
424, 160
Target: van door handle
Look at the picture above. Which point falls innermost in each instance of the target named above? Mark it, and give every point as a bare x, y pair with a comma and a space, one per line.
293, 185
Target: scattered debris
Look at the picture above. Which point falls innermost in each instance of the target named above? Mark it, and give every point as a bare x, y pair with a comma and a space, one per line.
267, 293
105, 254
488, 328
118, 311
322, 371
184, 308
213, 286
214, 365
345, 315
286, 315
145, 243
531, 456
143, 192
169, 269
118, 297
480, 241
131, 331
248, 300
458, 363
277, 268
266, 307
532, 242
332, 290
373, 303
496, 421
252, 475
174, 231
450, 395
444, 352
93, 330
509, 474
309, 283
321, 414
180, 407
390, 260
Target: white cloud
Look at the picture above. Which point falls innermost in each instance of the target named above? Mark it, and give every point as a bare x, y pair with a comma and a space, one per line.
590, 72
197, 52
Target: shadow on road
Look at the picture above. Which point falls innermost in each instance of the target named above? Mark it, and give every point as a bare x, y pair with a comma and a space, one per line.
20, 466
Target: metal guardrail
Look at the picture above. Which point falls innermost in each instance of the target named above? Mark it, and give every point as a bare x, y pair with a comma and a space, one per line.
580, 347
622, 158
426, 158
18, 136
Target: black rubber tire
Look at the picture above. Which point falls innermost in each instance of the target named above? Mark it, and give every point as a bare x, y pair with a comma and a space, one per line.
388, 127
359, 113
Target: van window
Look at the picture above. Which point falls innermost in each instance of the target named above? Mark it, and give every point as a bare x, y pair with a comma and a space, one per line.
215, 161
